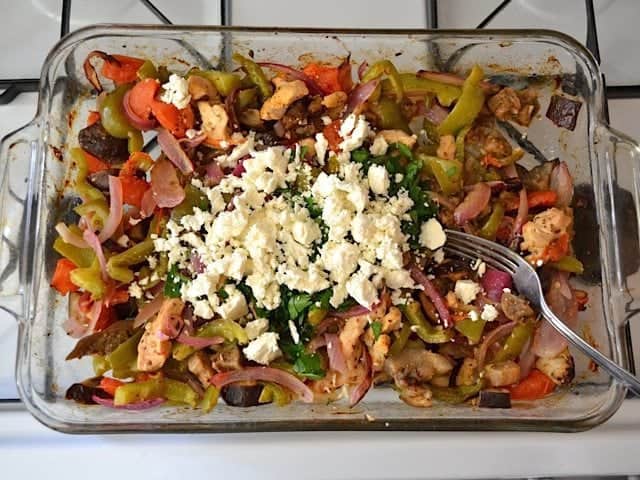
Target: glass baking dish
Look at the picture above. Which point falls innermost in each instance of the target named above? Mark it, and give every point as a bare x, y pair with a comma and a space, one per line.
34, 167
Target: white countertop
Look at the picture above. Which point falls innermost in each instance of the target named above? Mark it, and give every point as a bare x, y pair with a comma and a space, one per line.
613, 448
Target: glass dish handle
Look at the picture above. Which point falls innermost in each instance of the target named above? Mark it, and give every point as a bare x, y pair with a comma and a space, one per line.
18, 151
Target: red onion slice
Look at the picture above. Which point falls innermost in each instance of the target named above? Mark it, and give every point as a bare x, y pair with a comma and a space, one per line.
239, 169
473, 204
436, 114
337, 361
527, 360
147, 204
562, 183
354, 311
148, 310
312, 86
115, 209
199, 342
76, 323
362, 68
360, 95
143, 405
165, 185
194, 141
134, 119
434, 296
174, 152
361, 390
494, 282
214, 174
94, 242
265, 374
69, 237
521, 216
491, 338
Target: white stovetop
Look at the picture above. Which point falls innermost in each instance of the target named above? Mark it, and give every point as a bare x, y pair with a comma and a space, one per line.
613, 448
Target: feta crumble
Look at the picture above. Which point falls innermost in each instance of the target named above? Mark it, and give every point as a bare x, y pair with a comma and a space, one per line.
489, 313
378, 177
432, 234
466, 290
256, 327
263, 349
176, 91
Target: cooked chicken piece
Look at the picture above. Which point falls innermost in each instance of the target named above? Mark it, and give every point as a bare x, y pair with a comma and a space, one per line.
398, 136
215, 122
530, 105
286, 93
200, 365
447, 147
226, 359
515, 308
505, 104
415, 365
155, 345
497, 146
467, 375
441, 380
328, 384
335, 100
201, 88
560, 369
416, 396
152, 350
545, 227
502, 374
379, 351
251, 118
392, 320
350, 336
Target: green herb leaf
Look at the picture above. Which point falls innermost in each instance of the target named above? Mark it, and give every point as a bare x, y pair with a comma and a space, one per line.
309, 365
222, 293
376, 328
297, 305
404, 150
174, 282
303, 151
360, 155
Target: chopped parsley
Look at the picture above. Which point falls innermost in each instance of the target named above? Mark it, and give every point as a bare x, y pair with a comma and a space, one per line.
376, 328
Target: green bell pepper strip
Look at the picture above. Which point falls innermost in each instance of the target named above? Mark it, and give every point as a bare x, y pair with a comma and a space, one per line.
81, 257
123, 359
255, 74
515, 342
96, 211
114, 120
389, 115
448, 173
224, 82
147, 70
135, 392
490, 228
401, 340
472, 329
86, 191
316, 315
193, 197
117, 264
210, 399
456, 395
385, 67
419, 324
460, 138
101, 365
246, 98
180, 392
568, 263
414, 86
468, 105
90, 280
228, 329
272, 393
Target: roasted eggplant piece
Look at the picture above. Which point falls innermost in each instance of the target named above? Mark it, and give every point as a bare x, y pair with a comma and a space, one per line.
104, 342
494, 399
242, 394
84, 391
97, 141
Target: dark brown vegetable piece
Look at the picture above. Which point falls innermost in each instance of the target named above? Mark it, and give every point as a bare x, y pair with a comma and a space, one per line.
494, 399
100, 180
563, 112
104, 342
97, 141
241, 395
82, 392
515, 308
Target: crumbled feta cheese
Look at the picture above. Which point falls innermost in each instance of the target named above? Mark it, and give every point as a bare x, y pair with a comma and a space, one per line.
466, 290
235, 306
473, 315
362, 290
263, 349
191, 133
256, 327
489, 313
123, 241
398, 177
176, 91
152, 261
354, 130
135, 291
321, 146
378, 179
432, 234
326, 119
294, 332
506, 290
479, 266
379, 146
438, 256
